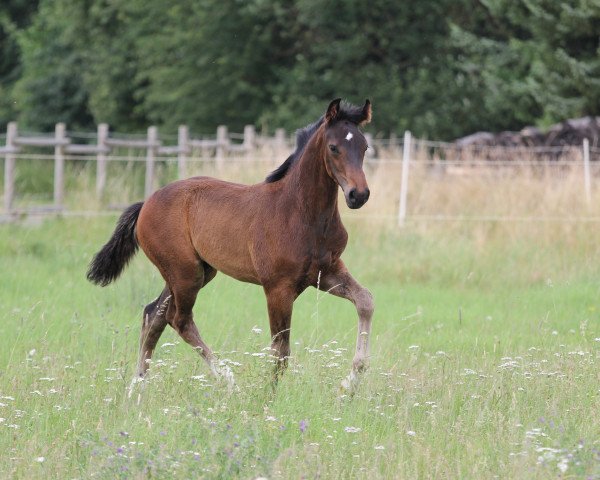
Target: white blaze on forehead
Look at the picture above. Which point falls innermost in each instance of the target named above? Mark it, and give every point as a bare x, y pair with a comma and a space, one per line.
349, 136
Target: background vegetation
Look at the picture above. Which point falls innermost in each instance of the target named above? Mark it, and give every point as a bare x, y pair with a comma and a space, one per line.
442, 68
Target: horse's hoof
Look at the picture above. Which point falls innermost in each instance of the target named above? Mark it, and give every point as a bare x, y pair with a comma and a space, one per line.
223, 373
134, 381
349, 384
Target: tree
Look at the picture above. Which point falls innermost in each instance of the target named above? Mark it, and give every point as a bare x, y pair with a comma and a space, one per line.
51, 87
212, 61
14, 15
533, 62
441, 68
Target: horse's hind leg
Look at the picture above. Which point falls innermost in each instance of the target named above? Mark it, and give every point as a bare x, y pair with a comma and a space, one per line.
154, 321
185, 289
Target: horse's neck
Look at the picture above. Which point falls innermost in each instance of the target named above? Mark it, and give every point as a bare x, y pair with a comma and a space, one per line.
315, 191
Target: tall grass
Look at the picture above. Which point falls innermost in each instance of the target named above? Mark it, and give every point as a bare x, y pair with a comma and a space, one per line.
485, 349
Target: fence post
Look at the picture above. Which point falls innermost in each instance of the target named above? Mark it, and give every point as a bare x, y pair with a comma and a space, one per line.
586, 170
59, 165
101, 159
182, 151
9, 167
150, 157
279, 142
404, 183
370, 143
393, 145
222, 142
249, 139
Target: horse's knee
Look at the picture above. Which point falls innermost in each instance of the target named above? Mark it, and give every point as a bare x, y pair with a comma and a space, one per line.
364, 303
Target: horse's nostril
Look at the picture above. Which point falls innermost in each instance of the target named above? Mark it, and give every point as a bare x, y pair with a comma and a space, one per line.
352, 194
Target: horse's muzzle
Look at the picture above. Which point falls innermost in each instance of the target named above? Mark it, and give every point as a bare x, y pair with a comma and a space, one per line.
356, 199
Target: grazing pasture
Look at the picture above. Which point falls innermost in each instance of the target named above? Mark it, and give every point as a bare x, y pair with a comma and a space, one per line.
484, 363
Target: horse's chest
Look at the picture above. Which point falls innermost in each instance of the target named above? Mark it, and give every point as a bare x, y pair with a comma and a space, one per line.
318, 258
322, 258
312, 267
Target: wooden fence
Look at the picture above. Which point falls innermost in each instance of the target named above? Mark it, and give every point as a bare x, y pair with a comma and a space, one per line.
220, 146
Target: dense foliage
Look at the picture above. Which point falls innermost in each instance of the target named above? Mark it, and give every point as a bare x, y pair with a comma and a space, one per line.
442, 68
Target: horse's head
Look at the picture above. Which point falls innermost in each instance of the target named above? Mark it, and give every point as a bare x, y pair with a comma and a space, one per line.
345, 148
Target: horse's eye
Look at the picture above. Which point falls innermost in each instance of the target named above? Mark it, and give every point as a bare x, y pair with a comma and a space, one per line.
333, 149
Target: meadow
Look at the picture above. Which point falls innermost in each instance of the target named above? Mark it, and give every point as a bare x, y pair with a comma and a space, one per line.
485, 351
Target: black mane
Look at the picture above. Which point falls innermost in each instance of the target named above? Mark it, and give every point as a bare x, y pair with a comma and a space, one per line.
302, 137
347, 111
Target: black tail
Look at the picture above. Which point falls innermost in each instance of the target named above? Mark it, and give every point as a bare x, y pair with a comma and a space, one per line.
110, 261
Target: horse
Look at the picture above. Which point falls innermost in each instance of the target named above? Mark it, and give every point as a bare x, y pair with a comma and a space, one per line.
284, 234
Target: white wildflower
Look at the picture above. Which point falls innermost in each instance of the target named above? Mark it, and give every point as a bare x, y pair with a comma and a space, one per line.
352, 429
563, 465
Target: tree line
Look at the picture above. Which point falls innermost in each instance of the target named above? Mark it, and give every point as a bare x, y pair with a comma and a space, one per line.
441, 68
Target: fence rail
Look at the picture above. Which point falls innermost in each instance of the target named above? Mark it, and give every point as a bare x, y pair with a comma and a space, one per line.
221, 146
224, 145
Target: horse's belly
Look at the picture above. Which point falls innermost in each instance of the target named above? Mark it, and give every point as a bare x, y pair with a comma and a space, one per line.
241, 274
228, 253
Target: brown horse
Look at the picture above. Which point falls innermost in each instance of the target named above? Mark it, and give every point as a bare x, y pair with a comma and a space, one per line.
284, 234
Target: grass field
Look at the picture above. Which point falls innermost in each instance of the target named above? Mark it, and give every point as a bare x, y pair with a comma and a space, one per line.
485, 353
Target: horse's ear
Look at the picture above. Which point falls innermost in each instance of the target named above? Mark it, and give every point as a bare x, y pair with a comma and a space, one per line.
333, 110
366, 113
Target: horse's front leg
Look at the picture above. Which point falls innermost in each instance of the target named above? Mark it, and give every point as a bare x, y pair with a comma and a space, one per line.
339, 282
280, 300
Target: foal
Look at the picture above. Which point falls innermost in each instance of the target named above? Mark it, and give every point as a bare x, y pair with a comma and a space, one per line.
284, 234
